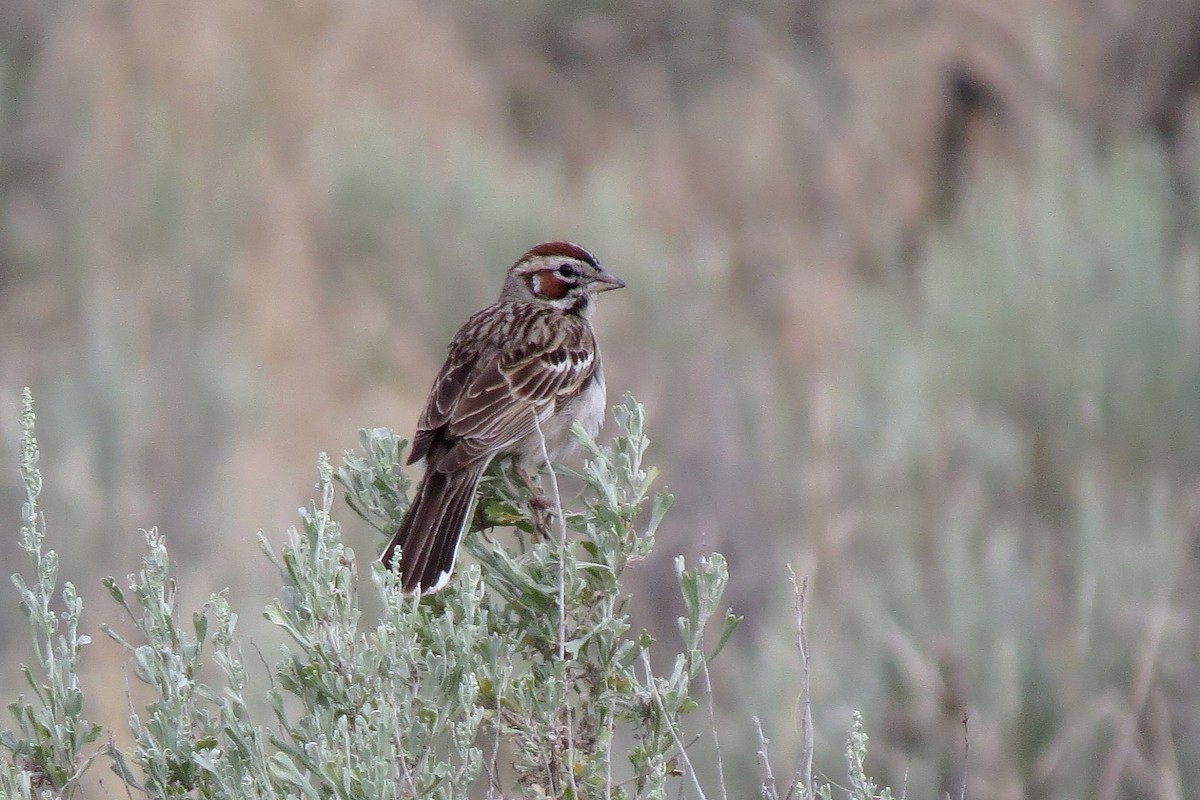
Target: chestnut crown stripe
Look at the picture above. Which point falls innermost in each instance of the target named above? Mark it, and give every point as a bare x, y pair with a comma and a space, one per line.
561, 249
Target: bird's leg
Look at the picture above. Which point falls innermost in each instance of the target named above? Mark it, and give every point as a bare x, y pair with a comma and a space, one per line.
480, 523
536, 498
538, 502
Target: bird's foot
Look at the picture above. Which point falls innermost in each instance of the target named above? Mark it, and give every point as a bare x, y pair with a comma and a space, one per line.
543, 509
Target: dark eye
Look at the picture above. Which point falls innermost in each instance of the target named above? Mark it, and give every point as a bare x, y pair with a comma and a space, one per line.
567, 271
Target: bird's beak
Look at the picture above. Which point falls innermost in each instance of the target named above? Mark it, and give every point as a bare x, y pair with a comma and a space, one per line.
605, 281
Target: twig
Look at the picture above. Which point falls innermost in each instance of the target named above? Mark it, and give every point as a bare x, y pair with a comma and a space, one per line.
262, 659
494, 788
671, 726
112, 746
562, 599
962, 789
73, 782
806, 725
405, 772
1143, 677
1162, 747
608, 784
712, 722
764, 763
562, 543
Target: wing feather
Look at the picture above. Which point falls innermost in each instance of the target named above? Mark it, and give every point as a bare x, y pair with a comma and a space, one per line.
489, 393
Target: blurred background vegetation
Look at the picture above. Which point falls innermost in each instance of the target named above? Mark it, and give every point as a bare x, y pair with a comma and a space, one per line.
914, 305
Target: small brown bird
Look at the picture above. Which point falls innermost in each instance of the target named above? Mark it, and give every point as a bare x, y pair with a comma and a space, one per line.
526, 364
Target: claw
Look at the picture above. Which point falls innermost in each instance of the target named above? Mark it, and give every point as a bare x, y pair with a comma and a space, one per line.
541, 505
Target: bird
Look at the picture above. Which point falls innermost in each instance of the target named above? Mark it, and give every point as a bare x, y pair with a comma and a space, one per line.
517, 375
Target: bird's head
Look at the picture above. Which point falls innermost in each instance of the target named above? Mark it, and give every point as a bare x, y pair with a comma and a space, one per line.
560, 274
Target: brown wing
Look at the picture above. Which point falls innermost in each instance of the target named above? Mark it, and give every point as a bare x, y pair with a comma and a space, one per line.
448, 387
491, 394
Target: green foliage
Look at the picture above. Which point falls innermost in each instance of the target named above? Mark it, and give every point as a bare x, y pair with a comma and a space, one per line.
544, 666
192, 736
52, 734
582, 679
861, 787
526, 659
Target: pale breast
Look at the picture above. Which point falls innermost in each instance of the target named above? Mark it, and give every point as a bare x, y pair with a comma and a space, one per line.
592, 405
588, 408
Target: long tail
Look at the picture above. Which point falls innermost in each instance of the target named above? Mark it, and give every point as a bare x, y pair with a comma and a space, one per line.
432, 528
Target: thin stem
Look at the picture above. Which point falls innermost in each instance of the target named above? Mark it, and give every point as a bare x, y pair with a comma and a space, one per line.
494, 788
112, 747
671, 726
712, 723
608, 786
764, 763
562, 601
1143, 677
562, 542
962, 789
800, 589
